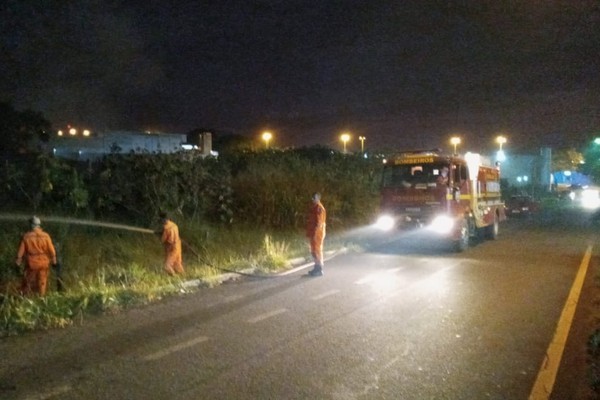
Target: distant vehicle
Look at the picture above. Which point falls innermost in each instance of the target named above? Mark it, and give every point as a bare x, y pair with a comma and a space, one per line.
521, 205
586, 197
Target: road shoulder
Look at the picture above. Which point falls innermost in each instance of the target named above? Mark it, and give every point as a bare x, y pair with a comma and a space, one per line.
573, 379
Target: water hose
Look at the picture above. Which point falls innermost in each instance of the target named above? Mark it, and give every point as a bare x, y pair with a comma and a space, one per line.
202, 259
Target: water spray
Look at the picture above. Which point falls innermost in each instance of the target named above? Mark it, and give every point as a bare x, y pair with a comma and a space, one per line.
74, 221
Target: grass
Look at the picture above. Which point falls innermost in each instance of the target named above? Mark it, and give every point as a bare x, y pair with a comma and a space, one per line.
593, 351
593, 347
107, 270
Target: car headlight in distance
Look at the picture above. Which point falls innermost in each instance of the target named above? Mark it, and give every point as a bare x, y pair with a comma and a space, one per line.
385, 222
590, 199
441, 224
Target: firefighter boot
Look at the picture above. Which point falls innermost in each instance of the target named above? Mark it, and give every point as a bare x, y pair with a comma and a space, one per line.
316, 271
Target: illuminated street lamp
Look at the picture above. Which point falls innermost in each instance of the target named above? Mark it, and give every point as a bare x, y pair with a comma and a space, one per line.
362, 143
345, 138
500, 156
72, 131
86, 132
500, 140
267, 136
455, 141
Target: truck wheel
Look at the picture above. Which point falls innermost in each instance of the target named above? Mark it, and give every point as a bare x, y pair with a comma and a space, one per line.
491, 231
462, 243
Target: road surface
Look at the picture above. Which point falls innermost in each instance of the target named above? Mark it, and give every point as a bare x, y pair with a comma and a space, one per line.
399, 320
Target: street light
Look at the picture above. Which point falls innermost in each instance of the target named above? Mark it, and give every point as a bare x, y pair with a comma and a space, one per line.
362, 143
267, 136
500, 156
500, 140
455, 141
345, 138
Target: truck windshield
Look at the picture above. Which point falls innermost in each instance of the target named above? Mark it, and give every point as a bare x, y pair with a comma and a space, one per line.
412, 175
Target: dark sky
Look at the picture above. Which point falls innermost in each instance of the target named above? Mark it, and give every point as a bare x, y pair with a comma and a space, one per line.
402, 73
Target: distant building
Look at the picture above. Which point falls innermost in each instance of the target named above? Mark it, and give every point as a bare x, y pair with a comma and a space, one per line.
524, 170
80, 147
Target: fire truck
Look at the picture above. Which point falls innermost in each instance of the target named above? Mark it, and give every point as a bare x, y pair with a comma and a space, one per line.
455, 198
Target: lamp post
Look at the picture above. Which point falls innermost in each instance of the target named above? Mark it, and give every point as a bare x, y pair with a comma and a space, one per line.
267, 136
455, 141
500, 156
345, 138
362, 143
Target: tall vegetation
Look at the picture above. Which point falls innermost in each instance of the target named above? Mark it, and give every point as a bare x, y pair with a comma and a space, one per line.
268, 189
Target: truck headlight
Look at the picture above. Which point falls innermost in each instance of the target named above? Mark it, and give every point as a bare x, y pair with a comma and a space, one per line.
385, 223
442, 224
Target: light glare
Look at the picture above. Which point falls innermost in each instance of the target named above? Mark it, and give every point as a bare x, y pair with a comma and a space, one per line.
590, 199
442, 224
385, 223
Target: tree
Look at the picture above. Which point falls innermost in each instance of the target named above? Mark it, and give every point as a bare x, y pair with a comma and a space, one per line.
231, 143
591, 155
566, 160
21, 131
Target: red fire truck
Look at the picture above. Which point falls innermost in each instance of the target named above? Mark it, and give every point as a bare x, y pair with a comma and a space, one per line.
453, 197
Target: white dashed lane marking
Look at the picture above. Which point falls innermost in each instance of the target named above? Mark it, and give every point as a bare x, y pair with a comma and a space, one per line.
264, 316
57, 391
378, 276
177, 347
326, 294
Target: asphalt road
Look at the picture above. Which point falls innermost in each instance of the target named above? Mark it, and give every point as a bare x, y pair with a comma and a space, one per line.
400, 320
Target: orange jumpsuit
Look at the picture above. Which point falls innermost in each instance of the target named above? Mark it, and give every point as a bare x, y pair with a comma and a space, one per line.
172, 243
37, 250
315, 231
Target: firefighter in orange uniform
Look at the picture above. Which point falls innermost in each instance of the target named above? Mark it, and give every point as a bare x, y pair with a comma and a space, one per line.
172, 244
315, 231
38, 252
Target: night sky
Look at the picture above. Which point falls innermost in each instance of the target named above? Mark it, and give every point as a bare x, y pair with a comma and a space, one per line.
404, 74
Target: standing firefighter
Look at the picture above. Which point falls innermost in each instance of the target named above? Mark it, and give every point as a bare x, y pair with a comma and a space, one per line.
37, 250
315, 231
172, 243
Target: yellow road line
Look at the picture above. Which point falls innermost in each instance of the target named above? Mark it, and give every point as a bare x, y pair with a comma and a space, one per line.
544, 383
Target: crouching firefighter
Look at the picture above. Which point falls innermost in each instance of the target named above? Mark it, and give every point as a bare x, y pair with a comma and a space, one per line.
169, 236
37, 253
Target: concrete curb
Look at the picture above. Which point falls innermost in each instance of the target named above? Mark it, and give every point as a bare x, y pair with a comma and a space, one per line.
303, 263
298, 264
